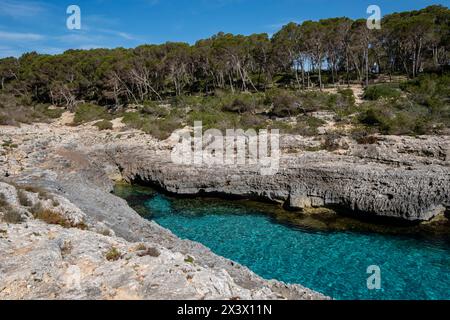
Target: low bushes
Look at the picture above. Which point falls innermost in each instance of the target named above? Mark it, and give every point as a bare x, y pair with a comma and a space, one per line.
304, 126
154, 109
49, 112
15, 110
423, 107
396, 119
288, 104
89, 112
160, 128
104, 125
240, 106
284, 104
379, 91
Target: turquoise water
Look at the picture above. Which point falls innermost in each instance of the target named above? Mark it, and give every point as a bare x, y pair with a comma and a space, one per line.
334, 263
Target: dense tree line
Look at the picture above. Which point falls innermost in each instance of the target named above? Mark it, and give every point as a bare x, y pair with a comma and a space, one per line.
314, 53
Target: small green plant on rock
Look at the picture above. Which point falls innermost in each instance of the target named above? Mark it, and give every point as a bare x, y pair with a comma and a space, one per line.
113, 254
189, 259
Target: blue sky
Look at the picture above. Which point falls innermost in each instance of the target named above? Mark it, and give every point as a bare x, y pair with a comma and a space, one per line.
33, 25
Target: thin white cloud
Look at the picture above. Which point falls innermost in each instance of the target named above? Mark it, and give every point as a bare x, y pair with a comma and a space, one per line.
19, 9
17, 36
126, 36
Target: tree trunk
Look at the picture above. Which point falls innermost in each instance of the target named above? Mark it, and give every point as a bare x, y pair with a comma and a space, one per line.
320, 76
296, 77
231, 82
367, 67
347, 70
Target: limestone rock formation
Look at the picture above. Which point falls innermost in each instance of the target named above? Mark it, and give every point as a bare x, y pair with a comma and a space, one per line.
63, 235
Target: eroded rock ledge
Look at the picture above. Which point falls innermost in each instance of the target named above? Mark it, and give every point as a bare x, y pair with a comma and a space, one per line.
76, 167
63, 235
366, 180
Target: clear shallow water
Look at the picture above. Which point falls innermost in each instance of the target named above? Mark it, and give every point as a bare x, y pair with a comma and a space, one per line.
333, 263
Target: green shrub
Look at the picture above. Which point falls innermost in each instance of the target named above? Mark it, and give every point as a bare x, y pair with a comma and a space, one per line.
372, 117
113, 254
212, 118
240, 105
396, 118
363, 137
346, 99
154, 109
12, 216
132, 119
432, 92
157, 127
8, 144
304, 126
51, 113
285, 106
379, 91
104, 125
4, 119
23, 198
253, 121
89, 112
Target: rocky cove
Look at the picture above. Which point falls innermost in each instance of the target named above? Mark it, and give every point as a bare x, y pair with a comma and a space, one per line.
94, 246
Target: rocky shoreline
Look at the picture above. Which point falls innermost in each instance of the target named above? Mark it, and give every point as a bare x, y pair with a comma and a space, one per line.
53, 168
403, 178
114, 253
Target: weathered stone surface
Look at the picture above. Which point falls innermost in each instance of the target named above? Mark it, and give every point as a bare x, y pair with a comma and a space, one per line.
39, 261
47, 261
402, 177
412, 192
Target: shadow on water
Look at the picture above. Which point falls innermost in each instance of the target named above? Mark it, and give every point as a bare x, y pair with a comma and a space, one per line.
314, 219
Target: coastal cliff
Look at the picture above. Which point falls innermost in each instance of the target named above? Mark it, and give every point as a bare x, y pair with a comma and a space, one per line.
375, 180
64, 235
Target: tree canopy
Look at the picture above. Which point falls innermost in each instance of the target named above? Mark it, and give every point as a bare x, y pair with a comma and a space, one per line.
313, 53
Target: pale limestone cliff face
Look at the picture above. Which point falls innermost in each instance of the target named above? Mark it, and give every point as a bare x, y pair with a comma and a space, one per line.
41, 261
408, 178
415, 190
79, 256
70, 238
401, 177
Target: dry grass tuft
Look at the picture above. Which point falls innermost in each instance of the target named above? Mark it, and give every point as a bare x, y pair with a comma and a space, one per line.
113, 254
